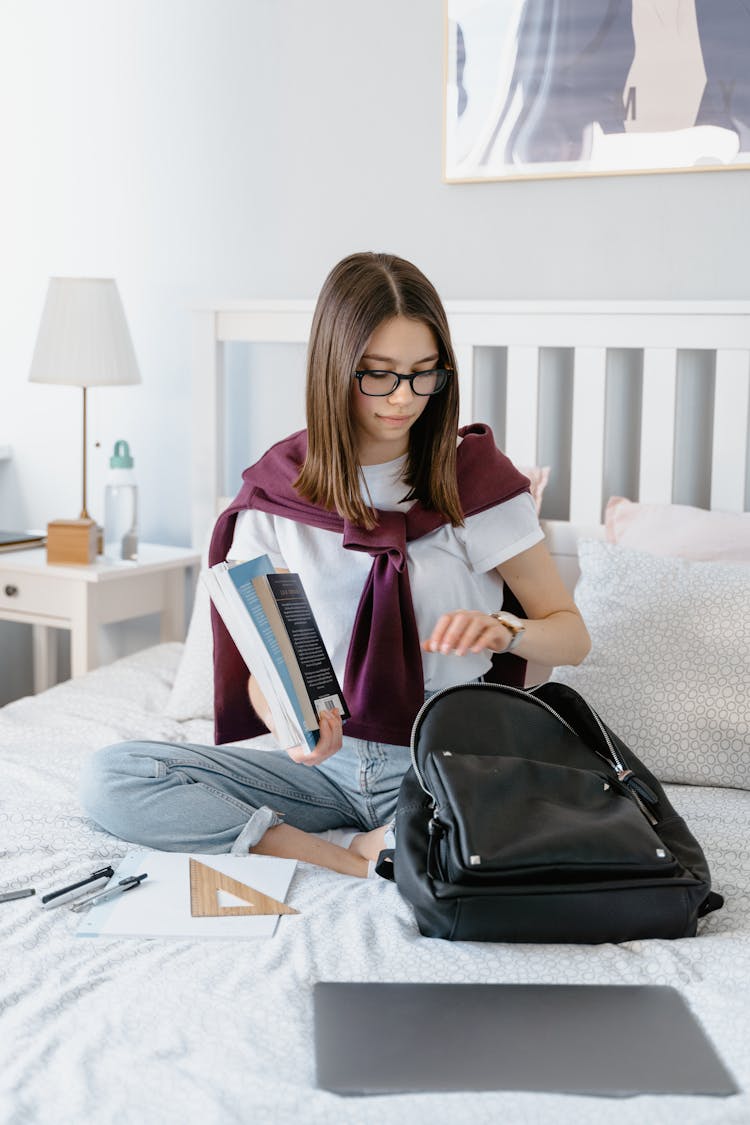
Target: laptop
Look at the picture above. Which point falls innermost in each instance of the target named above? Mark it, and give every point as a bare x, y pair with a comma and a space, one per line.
377, 1038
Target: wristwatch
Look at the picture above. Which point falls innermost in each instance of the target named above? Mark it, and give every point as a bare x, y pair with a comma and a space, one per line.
514, 625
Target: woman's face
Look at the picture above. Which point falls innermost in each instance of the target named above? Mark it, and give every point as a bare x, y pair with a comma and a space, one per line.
382, 423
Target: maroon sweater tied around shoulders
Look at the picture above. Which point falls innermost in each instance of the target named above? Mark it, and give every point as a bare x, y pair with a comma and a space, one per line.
383, 679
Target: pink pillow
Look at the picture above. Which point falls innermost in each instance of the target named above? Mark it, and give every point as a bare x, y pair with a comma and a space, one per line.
538, 476
677, 529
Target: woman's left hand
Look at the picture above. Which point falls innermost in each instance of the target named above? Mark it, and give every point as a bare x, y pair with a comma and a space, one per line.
553, 630
467, 630
329, 743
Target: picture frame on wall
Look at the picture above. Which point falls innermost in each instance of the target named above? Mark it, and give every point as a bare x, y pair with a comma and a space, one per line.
542, 88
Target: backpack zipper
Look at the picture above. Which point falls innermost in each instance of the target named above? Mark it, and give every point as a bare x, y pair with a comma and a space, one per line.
614, 759
637, 788
641, 792
480, 684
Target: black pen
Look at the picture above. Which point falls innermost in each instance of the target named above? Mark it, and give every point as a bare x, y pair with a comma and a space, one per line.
11, 896
109, 892
105, 873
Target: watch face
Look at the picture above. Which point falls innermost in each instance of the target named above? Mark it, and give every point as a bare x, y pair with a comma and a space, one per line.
511, 622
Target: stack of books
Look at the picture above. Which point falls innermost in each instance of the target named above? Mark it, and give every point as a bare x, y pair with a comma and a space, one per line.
21, 540
270, 620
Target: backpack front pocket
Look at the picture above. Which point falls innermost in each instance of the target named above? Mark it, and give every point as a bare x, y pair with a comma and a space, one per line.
528, 821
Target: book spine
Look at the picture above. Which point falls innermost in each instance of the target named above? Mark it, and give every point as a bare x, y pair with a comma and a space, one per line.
247, 592
276, 623
315, 666
245, 635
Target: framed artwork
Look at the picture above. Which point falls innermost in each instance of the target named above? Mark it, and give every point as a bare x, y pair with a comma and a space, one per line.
537, 88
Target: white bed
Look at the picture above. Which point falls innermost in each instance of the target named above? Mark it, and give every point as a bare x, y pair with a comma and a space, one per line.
120, 1031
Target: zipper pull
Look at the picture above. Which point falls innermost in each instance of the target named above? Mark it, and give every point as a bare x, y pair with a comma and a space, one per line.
436, 831
435, 828
641, 792
637, 787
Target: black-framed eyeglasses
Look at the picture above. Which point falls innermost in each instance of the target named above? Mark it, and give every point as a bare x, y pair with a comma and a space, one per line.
381, 383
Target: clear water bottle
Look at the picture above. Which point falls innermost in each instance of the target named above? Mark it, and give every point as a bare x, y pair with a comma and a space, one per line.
121, 506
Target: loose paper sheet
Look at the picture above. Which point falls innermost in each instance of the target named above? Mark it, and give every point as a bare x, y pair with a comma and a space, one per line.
160, 906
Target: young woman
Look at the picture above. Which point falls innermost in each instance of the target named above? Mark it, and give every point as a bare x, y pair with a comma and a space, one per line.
405, 532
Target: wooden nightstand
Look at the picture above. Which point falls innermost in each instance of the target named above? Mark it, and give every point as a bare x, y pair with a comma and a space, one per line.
81, 598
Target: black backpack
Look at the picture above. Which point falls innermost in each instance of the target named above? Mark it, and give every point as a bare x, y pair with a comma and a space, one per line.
524, 818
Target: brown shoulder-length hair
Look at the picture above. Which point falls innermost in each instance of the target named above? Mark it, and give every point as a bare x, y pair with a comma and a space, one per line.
359, 294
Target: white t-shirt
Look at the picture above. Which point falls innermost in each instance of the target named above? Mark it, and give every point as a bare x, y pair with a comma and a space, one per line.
450, 568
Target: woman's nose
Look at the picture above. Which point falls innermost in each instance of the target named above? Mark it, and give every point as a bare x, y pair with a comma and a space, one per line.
402, 393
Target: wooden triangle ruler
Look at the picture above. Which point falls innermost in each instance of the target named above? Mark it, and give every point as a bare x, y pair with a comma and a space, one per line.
206, 882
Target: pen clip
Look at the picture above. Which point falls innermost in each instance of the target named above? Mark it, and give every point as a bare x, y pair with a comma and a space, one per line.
133, 881
126, 884
104, 873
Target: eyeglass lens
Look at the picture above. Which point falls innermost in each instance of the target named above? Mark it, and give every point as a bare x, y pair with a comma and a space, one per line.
386, 382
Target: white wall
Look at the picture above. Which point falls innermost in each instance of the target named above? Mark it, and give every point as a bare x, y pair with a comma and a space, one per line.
196, 149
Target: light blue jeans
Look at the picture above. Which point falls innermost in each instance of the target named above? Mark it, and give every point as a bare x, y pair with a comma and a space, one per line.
183, 797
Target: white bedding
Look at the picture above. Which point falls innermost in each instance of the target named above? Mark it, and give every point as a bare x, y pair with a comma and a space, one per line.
109, 1030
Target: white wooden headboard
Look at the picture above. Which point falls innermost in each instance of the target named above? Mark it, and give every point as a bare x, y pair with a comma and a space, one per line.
566, 379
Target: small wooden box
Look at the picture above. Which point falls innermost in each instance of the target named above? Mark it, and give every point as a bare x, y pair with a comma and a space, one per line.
71, 542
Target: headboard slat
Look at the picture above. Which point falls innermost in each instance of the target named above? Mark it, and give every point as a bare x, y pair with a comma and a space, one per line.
657, 425
465, 360
522, 405
208, 424
587, 466
730, 430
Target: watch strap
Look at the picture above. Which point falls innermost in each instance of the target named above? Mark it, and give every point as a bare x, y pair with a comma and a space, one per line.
514, 627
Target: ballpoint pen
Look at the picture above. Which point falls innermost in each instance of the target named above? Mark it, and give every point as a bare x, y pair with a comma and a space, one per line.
11, 896
54, 897
109, 892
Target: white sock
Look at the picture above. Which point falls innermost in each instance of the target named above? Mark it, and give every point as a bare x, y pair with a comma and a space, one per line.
341, 836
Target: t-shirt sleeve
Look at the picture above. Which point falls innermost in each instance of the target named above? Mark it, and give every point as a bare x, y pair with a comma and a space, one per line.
255, 534
500, 533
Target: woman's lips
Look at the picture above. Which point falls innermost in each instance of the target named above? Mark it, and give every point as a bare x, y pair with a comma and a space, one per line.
395, 419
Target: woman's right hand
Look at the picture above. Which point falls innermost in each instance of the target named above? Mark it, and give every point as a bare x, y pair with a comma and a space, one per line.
329, 740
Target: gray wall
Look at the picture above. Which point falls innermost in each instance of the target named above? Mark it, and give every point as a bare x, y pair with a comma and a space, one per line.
197, 150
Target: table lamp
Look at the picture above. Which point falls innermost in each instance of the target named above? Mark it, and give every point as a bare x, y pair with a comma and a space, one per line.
83, 341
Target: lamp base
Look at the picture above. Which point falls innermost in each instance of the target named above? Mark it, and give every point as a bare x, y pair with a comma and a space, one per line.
71, 542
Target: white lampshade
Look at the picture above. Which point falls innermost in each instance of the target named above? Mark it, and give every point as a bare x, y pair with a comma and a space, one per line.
83, 338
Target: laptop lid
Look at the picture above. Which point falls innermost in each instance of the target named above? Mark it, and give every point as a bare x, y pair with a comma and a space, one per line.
375, 1038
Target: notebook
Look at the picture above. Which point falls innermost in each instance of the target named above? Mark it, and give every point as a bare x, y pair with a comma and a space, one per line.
376, 1038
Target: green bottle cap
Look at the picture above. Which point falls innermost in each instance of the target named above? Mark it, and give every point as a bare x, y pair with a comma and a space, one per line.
121, 458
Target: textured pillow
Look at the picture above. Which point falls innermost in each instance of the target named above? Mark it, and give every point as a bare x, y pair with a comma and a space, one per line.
669, 667
192, 694
677, 529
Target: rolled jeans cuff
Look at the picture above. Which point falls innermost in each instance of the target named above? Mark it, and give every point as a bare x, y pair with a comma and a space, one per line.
255, 829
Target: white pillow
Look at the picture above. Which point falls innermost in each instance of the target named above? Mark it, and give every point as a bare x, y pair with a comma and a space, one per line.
669, 667
192, 695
